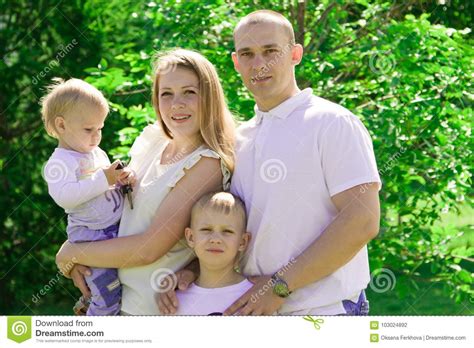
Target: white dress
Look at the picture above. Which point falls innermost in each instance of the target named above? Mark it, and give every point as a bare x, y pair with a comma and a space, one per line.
140, 284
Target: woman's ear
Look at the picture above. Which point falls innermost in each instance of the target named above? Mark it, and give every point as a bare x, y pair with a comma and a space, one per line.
59, 124
188, 233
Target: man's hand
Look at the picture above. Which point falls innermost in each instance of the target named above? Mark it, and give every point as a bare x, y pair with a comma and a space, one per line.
167, 301
77, 274
258, 300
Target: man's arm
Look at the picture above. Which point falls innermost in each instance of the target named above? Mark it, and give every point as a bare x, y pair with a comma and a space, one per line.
356, 224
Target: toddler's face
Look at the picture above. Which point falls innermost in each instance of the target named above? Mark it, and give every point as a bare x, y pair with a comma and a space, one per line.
217, 238
82, 130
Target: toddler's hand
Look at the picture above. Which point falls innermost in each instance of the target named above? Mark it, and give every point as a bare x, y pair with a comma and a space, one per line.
127, 177
111, 173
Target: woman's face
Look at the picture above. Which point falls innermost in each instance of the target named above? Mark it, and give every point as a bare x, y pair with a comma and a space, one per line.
178, 97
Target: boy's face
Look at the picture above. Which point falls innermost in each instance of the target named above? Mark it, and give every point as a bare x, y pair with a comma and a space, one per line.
217, 238
265, 59
81, 128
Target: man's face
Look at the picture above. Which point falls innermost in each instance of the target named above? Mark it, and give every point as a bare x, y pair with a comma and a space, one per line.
265, 59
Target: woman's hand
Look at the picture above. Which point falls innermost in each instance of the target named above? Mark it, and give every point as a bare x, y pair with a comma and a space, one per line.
167, 301
71, 270
77, 274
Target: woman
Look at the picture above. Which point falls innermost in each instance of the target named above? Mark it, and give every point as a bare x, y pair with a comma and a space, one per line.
186, 154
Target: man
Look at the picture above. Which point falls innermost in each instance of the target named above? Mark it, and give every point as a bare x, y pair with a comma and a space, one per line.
306, 171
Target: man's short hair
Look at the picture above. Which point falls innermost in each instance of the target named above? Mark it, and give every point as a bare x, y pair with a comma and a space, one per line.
267, 16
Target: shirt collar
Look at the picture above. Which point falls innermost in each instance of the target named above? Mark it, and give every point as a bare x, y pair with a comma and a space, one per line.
283, 110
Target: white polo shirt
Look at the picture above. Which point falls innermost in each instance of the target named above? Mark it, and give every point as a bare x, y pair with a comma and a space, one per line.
290, 161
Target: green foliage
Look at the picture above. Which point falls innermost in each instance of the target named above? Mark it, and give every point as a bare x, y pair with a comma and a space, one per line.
407, 74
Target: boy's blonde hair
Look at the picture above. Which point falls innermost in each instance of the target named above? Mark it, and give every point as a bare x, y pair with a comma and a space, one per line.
268, 16
217, 126
223, 202
63, 96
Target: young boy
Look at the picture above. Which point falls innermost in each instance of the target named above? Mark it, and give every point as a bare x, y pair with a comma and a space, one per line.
81, 179
217, 235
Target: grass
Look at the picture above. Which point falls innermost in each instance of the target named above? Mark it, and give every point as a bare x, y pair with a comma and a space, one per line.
430, 299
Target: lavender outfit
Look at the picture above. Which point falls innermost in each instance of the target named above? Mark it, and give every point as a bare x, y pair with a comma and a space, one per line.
77, 184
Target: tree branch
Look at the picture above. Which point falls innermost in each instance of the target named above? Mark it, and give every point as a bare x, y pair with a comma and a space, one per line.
137, 91
321, 21
300, 22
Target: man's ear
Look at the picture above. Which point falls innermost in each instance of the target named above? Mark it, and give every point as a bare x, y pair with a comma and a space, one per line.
296, 54
236, 61
244, 242
59, 124
188, 233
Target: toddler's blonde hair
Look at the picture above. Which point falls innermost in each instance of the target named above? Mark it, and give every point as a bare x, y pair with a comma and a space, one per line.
63, 95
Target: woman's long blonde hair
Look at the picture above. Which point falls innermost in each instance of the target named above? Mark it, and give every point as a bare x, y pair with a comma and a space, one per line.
217, 126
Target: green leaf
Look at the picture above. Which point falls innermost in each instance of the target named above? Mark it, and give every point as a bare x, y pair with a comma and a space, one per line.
103, 64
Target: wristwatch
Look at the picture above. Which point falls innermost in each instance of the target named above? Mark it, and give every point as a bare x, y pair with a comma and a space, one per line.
280, 287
